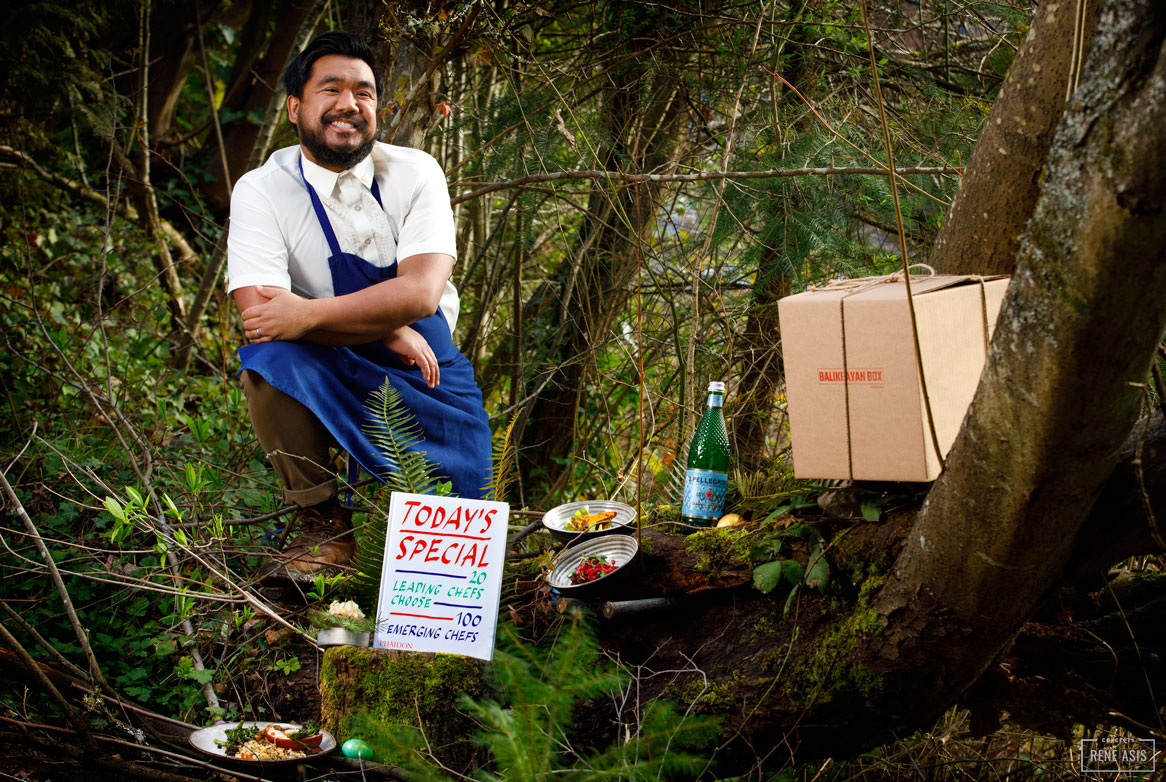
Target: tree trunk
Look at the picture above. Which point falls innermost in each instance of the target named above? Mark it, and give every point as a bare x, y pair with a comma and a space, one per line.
752, 418
761, 376
592, 287
261, 80
1005, 165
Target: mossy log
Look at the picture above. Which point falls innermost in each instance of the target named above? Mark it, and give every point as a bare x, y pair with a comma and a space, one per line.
405, 689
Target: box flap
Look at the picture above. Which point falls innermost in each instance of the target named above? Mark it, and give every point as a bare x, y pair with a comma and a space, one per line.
890, 287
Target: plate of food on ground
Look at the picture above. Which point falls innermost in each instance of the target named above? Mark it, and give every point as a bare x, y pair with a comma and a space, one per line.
263, 742
578, 521
588, 569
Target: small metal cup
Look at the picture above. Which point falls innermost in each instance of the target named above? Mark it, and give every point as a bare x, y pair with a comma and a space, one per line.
339, 636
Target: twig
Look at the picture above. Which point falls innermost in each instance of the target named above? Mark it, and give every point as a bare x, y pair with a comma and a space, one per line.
47, 686
1138, 652
48, 647
524, 533
706, 176
58, 582
116, 763
882, 170
1143, 494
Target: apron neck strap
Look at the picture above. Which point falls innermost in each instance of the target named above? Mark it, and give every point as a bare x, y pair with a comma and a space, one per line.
376, 191
321, 215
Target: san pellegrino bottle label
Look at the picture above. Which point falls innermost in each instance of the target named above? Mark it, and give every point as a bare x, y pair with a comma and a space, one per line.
704, 494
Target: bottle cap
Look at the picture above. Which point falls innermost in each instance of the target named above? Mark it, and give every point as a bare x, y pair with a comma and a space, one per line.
716, 387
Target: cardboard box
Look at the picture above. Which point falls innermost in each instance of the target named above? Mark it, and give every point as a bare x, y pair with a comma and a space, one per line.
860, 415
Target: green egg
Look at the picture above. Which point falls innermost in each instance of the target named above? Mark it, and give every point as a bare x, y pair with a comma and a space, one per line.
357, 748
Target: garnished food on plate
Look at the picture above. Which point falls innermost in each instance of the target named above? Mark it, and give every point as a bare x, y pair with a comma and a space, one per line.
236, 738
274, 742
592, 568
308, 735
583, 521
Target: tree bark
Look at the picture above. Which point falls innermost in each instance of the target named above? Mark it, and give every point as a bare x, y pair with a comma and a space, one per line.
1061, 388
1005, 166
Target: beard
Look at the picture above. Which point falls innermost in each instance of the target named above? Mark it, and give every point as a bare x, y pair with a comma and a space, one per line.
313, 139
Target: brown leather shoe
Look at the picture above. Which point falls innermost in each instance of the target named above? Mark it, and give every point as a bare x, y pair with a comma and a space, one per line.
324, 539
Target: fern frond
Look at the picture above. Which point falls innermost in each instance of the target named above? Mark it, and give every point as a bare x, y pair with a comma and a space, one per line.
394, 433
505, 456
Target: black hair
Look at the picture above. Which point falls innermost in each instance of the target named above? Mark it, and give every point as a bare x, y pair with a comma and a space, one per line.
337, 42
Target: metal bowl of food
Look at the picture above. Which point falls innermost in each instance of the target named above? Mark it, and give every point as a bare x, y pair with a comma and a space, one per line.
575, 522
591, 568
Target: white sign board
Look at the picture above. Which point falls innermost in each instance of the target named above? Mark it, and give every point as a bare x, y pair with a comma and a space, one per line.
442, 575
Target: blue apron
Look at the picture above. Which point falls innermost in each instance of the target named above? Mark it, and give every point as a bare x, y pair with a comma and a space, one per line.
334, 382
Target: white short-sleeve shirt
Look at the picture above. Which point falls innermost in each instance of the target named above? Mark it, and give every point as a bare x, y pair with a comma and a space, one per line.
275, 238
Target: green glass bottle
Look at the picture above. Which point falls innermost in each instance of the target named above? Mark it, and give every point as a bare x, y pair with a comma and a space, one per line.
708, 464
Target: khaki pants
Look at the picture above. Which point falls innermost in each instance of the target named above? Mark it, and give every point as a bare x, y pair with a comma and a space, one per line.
296, 443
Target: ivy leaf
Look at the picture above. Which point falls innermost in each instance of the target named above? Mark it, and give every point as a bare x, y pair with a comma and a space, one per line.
792, 572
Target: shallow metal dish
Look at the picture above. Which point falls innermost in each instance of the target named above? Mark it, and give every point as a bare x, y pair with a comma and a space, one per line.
621, 549
339, 636
204, 741
556, 520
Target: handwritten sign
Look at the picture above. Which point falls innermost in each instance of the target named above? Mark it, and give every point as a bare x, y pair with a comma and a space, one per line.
442, 575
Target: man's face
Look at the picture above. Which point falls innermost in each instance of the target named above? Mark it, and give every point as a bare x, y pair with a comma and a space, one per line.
336, 118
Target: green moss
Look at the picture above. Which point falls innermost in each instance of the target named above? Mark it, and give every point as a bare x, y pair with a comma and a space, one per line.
770, 660
717, 549
763, 626
398, 688
860, 562
708, 697
828, 671
647, 546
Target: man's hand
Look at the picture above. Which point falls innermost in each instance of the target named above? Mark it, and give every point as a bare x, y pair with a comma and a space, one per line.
412, 348
279, 314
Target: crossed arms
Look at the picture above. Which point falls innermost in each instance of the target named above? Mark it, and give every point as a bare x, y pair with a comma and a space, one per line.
382, 311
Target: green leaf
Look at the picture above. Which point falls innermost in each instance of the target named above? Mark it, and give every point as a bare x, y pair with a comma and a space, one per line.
871, 511
171, 508
135, 497
817, 570
115, 509
766, 577
202, 677
792, 572
789, 601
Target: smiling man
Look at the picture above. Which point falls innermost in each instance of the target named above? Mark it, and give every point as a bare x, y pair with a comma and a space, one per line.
339, 258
